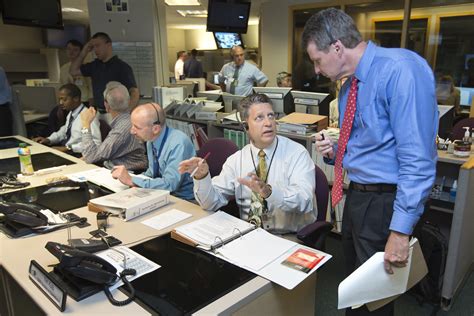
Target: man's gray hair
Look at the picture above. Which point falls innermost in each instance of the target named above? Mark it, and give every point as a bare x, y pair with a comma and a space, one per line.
117, 96
247, 102
329, 25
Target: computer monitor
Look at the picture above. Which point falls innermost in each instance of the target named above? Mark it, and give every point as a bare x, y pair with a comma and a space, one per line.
200, 81
37, 99
280, 96
311, 102
228, 40
467, 94
213, 95
231, 101
165, 95
190, 87
446, 118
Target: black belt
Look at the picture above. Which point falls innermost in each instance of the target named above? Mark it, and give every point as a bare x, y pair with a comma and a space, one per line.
379, 187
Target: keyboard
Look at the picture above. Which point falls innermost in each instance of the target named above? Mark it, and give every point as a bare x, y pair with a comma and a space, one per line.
138, 264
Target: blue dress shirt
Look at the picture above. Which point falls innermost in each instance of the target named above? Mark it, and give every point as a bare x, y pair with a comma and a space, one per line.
176, 148
394, 130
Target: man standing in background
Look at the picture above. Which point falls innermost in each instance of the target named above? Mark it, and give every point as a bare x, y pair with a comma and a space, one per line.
5, 101
73, 49
238, 77
179, 65
105, 68
193, 67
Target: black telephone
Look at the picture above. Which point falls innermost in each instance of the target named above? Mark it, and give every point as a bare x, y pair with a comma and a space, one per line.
18, 219
83, 271
82, 264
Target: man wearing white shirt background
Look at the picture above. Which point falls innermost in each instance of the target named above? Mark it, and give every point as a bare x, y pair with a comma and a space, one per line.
179, 65
69, 136
272, 178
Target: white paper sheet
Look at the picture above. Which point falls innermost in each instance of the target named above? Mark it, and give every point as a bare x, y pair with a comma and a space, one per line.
370, 282
256, 249
166, 219
99, 176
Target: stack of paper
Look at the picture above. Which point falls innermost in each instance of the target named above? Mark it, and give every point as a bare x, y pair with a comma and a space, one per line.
101, 177
302, 123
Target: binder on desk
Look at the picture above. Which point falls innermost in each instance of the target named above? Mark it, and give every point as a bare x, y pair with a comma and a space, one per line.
245, 246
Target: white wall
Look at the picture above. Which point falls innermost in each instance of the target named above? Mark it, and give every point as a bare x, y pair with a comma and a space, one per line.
176, 43
20, 38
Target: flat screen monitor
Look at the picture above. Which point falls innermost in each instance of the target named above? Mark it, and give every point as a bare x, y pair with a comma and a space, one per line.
213, 95
446, 118
228, 40
190, 87
30, 13
231, 101
37, 99
280, 96
58, 38
467, 94
228, 16
312, 102
165, 95
11, 142
39, 161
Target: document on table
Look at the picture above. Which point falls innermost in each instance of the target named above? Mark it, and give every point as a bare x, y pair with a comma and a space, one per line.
166, 219
356, 289
99, 176
256, 249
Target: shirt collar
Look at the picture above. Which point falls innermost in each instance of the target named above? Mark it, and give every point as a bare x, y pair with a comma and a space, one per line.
241, 66
118, 118
268, 151
159, 140
77, 110
363, 68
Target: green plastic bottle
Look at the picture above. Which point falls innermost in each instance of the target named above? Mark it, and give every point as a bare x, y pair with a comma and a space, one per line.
26, 165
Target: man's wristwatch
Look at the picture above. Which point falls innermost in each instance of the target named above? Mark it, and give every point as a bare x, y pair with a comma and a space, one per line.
267, 191
84, 130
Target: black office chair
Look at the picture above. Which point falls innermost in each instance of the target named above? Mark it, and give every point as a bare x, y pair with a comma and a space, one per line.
314, 235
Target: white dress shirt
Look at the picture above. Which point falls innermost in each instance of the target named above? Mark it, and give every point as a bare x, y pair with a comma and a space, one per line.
179, 69
75, 141
292, 204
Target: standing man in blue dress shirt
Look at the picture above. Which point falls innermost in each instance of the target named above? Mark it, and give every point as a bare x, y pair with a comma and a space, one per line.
391, 155
166, 148
239, 77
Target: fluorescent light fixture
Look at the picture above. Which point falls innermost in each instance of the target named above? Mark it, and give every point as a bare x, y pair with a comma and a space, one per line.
71, 10
182, 2
193, 13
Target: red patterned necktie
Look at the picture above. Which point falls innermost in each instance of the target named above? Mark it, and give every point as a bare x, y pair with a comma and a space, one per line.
342, 143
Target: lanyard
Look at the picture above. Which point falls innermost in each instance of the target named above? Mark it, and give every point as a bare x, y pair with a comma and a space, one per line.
156, 168
269, 166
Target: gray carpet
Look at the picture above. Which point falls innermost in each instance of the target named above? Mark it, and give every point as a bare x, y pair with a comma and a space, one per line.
332, 273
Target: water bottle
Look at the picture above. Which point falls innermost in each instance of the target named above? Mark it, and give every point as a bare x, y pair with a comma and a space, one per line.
25, 160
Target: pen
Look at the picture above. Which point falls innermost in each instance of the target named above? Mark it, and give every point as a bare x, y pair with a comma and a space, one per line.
200, 163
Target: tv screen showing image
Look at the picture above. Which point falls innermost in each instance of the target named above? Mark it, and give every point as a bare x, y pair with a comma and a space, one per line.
58, 38
29, 13
228, 40
228, 16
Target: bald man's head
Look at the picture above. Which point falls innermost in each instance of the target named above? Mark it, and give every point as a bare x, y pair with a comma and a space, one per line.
148, 120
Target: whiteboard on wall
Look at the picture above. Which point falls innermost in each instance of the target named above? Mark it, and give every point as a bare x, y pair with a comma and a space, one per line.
139, 55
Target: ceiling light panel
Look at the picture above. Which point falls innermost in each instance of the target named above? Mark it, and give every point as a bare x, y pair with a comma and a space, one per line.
193, 13
182, 2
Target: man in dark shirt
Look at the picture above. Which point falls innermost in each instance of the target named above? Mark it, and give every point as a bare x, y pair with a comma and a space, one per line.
193, 67
105, 68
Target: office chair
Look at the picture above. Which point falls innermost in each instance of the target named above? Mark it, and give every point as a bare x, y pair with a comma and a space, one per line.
220, 149
104, 129
458, 130
314, 235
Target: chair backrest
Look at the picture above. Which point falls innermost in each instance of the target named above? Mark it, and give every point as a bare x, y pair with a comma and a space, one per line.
322, 193
458, 130
104, 129
220, 149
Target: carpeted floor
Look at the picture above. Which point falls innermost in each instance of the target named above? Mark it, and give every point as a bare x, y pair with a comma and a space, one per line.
332, 273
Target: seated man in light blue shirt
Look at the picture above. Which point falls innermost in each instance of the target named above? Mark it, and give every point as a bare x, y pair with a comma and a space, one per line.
166, 148
239, 77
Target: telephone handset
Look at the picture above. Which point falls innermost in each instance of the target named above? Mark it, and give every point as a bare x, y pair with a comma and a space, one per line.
89, 267
83, 265
23, 214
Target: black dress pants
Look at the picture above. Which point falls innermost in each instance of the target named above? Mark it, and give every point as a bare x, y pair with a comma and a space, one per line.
365, 230
6, 127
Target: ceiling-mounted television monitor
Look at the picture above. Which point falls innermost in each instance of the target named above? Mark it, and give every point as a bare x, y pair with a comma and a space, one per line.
228, 40
32, 13
228, 16
58, 38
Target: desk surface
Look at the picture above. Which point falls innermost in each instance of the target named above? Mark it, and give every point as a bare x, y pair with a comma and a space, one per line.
257, 295
444, 156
